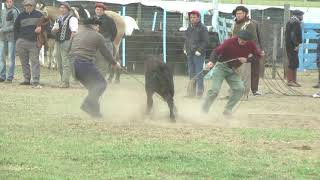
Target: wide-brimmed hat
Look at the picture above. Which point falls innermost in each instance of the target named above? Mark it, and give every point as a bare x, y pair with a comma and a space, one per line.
29, 2
245, 35
240, 8
92, 21
297, 13
65, 4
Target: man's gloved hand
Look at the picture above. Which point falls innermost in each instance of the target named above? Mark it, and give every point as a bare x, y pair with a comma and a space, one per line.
242, 59
197, 53
38, 29
116, 66
185, 52
9, 16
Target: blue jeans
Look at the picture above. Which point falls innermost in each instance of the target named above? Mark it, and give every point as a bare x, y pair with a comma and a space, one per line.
11, 59
195, 66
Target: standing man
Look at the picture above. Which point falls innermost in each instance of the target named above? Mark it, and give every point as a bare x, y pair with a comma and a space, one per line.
25, 33
84, 47
239, 49
318, 65
243, 22
108, 29
65, 27
8, 16
197, 38
293, 38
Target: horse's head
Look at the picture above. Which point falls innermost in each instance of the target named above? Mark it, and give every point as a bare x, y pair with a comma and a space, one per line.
74, 11
40, 5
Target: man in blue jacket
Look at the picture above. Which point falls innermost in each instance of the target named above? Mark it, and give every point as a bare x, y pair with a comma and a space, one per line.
8, 16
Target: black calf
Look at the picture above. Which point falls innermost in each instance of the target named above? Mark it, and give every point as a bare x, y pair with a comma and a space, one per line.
159, 79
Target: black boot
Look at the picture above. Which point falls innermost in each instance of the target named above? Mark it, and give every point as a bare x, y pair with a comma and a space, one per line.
317, 85
92, 109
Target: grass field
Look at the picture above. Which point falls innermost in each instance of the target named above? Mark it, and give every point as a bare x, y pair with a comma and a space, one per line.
44, 135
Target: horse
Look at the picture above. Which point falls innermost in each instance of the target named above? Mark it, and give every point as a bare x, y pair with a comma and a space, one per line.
121, 26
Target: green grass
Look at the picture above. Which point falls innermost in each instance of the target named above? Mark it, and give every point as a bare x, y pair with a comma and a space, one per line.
43, 135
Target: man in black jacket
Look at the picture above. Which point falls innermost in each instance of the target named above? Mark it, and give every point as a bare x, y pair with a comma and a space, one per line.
108, 29
293, 38
197, 37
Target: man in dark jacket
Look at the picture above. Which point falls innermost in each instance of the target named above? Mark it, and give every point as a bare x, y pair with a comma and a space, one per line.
293, 38
197, 38
25, 33
239, 50
84, 47
108, 29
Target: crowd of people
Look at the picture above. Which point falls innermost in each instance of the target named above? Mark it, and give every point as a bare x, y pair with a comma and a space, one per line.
87, 50
238, 56
20, 31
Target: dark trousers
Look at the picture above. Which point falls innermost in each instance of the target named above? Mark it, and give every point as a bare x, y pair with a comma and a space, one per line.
88, 75
255, 73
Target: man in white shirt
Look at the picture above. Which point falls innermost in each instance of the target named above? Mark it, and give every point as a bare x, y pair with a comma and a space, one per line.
65, 27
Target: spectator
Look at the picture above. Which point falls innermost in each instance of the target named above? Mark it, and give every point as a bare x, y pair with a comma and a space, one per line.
109, 31
293, 38
243, 22
318, 64
65, 27
8, 16
197, 38
25, 33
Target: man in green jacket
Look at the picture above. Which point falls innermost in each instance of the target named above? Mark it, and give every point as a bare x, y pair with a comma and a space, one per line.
243, 22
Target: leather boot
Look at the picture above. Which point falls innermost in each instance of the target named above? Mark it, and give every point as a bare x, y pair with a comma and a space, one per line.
294, 76
290, 78
317, 85
289, 75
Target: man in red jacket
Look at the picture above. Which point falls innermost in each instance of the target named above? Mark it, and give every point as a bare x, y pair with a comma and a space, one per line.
242, 50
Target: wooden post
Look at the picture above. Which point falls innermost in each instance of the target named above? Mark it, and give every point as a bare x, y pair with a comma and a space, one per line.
274, 51
263, 59
286, 17
139, 21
